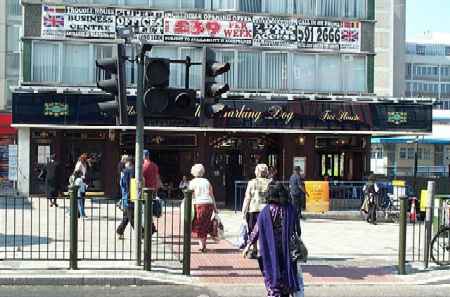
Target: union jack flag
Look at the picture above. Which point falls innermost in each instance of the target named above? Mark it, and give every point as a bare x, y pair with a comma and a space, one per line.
350, 35
54, 21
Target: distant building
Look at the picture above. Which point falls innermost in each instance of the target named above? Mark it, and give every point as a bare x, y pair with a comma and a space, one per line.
427, 74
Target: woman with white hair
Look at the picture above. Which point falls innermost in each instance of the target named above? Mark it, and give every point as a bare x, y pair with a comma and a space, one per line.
204, 204
256, 198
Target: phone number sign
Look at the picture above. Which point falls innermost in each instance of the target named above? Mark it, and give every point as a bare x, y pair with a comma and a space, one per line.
331, 35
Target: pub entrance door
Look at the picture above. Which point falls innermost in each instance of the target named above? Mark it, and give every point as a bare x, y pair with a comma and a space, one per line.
234, 157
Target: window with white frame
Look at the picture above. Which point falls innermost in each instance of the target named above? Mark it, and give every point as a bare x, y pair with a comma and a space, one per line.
45, 62
250, 5
75, 69
275, 72
249, 70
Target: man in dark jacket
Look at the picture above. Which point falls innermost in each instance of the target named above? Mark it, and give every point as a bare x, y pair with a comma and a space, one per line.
51, 174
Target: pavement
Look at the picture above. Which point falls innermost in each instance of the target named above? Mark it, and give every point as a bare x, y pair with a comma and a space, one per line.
342, 252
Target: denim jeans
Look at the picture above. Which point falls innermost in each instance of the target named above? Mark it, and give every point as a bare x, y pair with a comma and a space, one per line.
80, 201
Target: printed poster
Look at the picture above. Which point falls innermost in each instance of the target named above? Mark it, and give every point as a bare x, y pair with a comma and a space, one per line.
140, 24
52, 26
317, 196
208, 28
12, 162
274, 32
90, 22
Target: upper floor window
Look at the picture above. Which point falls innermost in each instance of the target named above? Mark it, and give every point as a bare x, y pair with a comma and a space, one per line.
447, 50
420, 50
14, 8
74, 64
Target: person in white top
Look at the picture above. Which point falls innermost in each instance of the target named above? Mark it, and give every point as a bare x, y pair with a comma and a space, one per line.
82, 165
204, 205
256, 198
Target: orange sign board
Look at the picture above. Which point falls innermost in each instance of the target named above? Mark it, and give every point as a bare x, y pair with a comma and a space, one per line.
317, 196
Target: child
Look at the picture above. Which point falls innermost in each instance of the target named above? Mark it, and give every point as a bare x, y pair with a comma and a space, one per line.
79, 182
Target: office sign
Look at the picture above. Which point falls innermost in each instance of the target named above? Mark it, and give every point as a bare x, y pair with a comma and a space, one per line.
90, 22
143, 24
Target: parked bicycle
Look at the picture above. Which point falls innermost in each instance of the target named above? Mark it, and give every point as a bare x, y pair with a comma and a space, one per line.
440, 244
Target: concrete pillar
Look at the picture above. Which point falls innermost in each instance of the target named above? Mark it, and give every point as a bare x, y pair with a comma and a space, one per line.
23, 179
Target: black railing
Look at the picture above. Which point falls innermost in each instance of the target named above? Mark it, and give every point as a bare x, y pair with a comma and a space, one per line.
31, 229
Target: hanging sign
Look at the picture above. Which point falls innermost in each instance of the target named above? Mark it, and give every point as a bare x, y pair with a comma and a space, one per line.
144, 25
90, 22
208, 28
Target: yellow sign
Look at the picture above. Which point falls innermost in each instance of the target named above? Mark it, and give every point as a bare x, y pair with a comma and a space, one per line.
133, 189
423, 200
398, 183
318, 196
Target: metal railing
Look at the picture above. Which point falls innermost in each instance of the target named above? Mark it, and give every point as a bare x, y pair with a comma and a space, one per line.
32, 229
344, 195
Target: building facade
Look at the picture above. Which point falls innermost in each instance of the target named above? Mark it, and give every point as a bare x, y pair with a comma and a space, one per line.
427, 74
301, 83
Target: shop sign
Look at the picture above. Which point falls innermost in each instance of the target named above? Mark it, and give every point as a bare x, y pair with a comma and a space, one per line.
317, 196
56, 109
397, 118
90, 22
339, 116
144, 25
208, 28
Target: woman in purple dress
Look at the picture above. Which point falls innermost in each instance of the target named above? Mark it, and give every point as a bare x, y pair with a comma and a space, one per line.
275, 227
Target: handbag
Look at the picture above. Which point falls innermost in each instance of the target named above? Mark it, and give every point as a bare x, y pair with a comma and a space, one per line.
297, 249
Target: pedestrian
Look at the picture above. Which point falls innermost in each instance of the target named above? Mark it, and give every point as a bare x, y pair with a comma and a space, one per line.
255, 198
184, 184
127, 205
275, 228
370, 203
83, 165
297, 191
204, 205
81, 193
152, 179
120, 167
50, 173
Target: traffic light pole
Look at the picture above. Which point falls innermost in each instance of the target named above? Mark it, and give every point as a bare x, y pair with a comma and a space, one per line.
139, 153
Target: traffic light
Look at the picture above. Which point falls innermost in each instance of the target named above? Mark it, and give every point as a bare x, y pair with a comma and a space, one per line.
159, 99
114, 68
212, 90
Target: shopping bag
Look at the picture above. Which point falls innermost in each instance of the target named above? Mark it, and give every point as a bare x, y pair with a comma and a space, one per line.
217, 227
243, 235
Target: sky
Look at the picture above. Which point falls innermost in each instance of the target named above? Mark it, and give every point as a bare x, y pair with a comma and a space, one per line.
424, 15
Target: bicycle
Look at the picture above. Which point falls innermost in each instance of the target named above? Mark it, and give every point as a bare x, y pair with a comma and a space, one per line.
440, 244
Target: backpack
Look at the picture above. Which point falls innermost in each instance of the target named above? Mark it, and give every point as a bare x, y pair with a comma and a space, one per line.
260, 195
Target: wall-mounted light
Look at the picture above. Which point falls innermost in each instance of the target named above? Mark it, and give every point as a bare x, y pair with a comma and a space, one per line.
301, 140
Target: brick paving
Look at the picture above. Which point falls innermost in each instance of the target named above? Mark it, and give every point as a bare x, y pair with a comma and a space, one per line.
224, 264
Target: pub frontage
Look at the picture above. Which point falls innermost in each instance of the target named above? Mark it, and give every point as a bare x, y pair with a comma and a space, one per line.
328, 137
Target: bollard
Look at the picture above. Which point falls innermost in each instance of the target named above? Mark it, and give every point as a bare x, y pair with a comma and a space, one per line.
73, 264
428, 221
402, 236
187, 232
148, 222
